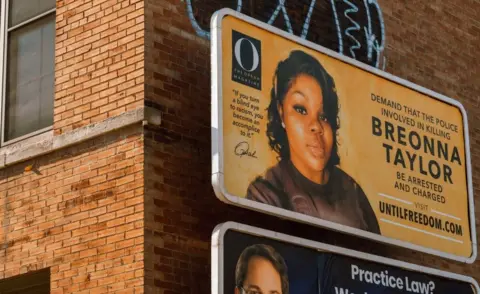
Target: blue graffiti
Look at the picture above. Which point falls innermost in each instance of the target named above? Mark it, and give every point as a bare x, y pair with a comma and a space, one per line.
281, 5
306, 24
201, 32
372, 41
374, 44
353, 9
337, 24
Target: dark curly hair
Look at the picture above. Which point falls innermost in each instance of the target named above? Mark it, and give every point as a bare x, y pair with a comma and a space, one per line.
300, 63
264, 251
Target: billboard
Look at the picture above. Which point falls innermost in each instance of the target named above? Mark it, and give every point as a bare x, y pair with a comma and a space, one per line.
251, 260
301, 132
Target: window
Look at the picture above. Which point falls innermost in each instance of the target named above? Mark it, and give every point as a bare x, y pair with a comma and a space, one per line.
37, 282
28, 67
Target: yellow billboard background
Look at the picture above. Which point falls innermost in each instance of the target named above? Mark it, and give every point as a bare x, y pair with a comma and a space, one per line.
362, 155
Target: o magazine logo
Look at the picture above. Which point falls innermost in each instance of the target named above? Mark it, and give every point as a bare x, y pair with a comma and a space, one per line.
247, 60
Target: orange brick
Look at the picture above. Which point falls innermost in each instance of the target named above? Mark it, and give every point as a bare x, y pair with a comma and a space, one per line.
116, 222
134, 233
88, 252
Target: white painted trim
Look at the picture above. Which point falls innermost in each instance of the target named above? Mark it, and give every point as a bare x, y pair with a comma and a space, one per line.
217, 139
218, 250
27, 136
3, 64
32, 19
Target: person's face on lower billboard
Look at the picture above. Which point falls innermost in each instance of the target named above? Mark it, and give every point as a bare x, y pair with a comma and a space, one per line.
261, 278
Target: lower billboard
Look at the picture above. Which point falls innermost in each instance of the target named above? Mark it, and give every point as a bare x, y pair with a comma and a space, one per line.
248, 260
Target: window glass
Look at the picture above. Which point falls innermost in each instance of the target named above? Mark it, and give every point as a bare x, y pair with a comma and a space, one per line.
37, 282
22, 10
30, 78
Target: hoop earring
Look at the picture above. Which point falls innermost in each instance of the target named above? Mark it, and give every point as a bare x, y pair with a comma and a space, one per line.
283, 124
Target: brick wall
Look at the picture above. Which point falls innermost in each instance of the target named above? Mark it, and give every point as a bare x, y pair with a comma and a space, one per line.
99, 62
133, 210
432, 44
79, 211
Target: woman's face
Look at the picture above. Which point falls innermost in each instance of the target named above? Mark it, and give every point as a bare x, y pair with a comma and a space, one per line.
310, 136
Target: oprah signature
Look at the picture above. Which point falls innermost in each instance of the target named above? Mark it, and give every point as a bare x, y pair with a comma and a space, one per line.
243, 148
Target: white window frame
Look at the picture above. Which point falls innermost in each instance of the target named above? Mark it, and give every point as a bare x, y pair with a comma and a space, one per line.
4, 31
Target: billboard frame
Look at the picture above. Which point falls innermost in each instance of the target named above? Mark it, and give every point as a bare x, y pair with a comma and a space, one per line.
218, 150
218, 249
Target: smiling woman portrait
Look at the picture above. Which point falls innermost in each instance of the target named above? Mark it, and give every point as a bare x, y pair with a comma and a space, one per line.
302, 128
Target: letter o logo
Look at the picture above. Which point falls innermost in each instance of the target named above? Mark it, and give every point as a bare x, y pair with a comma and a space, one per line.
238, 55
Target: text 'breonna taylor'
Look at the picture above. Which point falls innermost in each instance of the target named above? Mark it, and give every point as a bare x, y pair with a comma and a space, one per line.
437, 169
